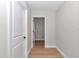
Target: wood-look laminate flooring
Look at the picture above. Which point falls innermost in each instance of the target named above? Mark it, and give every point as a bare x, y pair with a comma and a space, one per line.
40, 52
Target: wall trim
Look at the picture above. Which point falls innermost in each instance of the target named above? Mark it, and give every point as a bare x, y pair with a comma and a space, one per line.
50, 46
62, 53
27, 54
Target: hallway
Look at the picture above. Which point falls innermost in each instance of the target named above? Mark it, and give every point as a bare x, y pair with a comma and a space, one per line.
40, 52
60, 25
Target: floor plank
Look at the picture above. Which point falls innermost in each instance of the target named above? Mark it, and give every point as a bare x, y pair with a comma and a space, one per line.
40, 52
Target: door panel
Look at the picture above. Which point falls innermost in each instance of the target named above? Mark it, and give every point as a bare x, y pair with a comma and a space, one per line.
17, 40
18, 51
17, 28
18, 45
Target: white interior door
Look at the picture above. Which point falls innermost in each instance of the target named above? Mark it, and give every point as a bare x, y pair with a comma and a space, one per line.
18, 45
39, 28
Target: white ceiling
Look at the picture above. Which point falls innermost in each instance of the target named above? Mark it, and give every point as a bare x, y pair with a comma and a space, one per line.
45, 5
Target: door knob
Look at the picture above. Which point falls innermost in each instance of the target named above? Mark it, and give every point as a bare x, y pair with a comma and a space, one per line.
24, 37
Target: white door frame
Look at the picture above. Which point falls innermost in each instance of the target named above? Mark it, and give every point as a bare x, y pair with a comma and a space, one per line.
33, 27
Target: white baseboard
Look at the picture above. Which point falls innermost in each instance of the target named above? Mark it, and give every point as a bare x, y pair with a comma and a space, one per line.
62, 53
39, 39
49, 46
27, 54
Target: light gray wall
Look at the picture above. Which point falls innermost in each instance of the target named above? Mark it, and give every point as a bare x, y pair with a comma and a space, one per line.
49, 27
67, 29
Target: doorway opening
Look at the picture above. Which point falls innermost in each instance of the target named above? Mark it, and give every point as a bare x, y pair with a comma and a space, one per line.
38, 32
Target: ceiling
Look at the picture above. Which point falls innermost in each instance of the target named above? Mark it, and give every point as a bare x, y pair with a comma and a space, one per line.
45, 5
